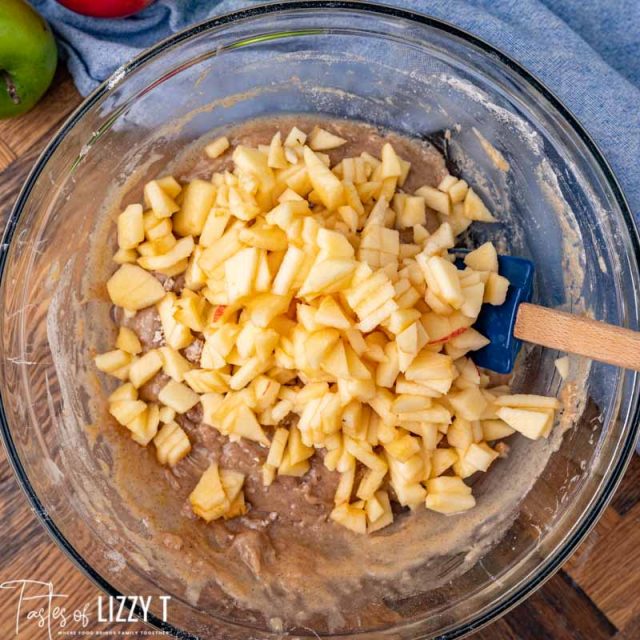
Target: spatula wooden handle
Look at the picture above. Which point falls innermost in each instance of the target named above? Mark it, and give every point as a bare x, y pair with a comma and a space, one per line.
574, 334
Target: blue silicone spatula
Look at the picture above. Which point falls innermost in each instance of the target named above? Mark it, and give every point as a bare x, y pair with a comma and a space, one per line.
518, 321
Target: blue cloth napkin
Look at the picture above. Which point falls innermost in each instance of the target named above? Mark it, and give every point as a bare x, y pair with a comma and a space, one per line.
586, 51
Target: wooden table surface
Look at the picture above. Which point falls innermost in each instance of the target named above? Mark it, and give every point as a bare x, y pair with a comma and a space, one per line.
595, 596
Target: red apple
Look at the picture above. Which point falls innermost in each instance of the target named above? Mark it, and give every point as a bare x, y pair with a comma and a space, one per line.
106, 8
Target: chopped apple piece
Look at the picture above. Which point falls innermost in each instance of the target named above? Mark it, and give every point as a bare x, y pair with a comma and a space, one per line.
180, 251
473, 298
495, 430
451, 485
178, 396
325, 275
208, 499
298, 452
264, 307
199, 197
177, 335
245, 425
319, 344
469, 404
496, 289
286, 468
237, 508
413, 212
216, 148
167, 414
441, 460
435, 199
527, 400
172, 444
442, 276
350, 517
480, 456
124, 392
325, 184
254, 163
383, 520
323, 140
287, 273
220, 250
449, 503
130, 227
430, 366
278, 444
214, 226
484, 258
562, 366
333, 244
363, 452
374, 509
144, 426
447, 182
330, 314
158, 199
370, 483
475, 209
239, 272
232, 482
143, 369
174, 364
112, 361
458, 191
134, 288
390, 167
204, 381
276, 158
530, 423
126, 411
125, 256
264, 236
335, 362
468, 340
376, 317
403, 447
459, 434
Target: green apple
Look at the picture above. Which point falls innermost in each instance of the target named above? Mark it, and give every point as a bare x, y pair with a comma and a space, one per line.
28, 57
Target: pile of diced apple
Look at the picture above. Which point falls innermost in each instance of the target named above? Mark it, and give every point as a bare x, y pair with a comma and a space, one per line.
309, 302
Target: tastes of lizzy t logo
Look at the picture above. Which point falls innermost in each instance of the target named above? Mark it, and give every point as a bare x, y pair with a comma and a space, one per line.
38, 603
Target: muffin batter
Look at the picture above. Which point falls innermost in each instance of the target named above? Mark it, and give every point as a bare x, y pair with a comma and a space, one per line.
283, 559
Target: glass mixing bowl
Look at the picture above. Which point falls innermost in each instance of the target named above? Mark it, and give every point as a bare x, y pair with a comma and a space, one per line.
558, 203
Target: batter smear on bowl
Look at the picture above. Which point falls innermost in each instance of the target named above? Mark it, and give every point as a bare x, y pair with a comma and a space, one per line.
294, 343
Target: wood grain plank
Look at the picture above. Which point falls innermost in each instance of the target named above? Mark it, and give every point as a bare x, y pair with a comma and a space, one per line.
581, 557
560, 610
28, 553
632, 630
7, 156
13, 177
628, 494
608, 568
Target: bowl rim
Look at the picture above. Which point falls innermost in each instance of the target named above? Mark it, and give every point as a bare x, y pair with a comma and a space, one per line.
545, 571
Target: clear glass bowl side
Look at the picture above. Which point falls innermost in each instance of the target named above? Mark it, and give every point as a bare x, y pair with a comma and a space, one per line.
556, 204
